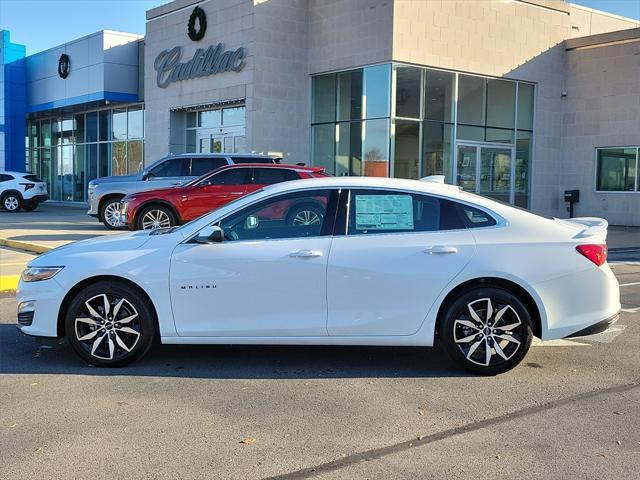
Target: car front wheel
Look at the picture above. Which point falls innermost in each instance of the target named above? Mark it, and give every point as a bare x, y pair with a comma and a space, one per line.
487, 330
156, 217
110, 214
12, 202
110, 324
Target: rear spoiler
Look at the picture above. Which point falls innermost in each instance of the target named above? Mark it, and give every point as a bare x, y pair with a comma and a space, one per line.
591, 226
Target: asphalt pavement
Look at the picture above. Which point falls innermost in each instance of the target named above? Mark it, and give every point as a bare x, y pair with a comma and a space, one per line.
570, 410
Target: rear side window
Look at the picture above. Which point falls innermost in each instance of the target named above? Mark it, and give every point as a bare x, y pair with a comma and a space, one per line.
32, 178
200, 166
269, 176
233, 176
252, 160
475, 218
174, 167
375, 211
5, 178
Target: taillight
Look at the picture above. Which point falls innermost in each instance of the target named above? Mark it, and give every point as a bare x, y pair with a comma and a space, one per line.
596, 253
28, 186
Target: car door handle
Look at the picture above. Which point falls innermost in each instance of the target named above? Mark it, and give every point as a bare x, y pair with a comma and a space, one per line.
305, 253
440, 250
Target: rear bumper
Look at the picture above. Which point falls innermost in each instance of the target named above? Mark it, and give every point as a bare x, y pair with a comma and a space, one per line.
598, 327
37, 198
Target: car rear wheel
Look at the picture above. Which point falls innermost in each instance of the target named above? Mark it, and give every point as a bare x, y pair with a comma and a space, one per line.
110, 214
109, 324
305, 215
12, 202
156, 216
487, 330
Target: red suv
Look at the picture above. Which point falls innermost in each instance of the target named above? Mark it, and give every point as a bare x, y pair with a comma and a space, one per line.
171, 206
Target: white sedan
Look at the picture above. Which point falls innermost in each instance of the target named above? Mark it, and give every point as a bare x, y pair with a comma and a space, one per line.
380, 262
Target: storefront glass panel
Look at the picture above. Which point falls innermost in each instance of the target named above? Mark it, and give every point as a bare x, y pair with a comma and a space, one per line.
439, 95
407, 149
376, 148
438, 142
78, 128
134, 157
119, 124
408, 91
501, 104
522, 169
525, 106
350, 95
104, 125
349, 149
471, 100
377, 91
322, 147
135, 123
91, 127
79, 174
119, 158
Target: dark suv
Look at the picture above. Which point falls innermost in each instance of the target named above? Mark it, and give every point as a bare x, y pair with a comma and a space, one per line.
105, 193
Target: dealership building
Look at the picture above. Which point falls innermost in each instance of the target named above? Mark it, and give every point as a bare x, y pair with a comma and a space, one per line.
520, 100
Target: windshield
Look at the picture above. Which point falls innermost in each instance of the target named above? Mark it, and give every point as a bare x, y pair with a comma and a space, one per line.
223, 206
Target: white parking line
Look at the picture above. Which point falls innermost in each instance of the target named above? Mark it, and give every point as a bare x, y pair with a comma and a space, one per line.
630, 310
629, 284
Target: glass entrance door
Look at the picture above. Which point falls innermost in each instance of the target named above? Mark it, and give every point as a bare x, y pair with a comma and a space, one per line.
486, 170
219, 140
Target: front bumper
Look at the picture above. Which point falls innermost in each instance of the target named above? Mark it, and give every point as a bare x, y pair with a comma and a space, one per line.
46, 297
596, 328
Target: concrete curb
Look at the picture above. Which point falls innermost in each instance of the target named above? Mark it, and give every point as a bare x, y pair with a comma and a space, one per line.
9, 283
28, 246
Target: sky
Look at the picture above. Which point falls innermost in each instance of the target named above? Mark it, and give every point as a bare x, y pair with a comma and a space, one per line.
42, 24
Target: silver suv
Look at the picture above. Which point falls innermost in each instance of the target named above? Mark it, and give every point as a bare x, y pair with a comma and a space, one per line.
105, 193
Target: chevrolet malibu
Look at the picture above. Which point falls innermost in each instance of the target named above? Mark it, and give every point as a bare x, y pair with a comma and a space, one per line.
385, 262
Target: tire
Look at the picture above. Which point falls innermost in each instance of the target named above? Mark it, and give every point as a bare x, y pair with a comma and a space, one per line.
304, 215
29, 206
107, 211
101, 339
12, 202
479, 344
155, 216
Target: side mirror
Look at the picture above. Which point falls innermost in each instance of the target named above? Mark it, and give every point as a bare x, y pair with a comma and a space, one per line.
145, 175
210, 234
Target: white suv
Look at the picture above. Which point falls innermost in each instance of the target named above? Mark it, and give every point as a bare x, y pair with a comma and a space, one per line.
20, 190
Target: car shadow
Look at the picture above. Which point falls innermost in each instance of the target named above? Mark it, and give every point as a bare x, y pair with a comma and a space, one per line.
20, 354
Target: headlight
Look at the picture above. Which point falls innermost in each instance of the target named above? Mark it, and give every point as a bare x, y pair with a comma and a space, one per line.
36, 274
92, 187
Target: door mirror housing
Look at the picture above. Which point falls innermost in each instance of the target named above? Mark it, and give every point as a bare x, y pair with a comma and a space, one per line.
210, 234
145, 175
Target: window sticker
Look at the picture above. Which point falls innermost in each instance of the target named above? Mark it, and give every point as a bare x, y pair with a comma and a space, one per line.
384, 212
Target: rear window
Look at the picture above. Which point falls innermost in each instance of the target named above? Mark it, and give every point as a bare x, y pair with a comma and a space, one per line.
252, 159
232, 176
268, 176
32, 178
475, 218
200, 166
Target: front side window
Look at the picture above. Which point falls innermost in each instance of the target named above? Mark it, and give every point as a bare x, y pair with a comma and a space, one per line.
234, 176
617, 169
384, 211
292, 215
174, 167
200, 166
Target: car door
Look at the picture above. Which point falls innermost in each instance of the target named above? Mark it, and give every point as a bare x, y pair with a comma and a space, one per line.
172, 172
215, 191
401, 249
266, 279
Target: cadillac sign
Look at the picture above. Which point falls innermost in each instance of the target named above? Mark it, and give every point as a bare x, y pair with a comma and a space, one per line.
207, 62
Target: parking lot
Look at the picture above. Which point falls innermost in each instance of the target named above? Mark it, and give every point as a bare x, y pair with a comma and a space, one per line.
571, 408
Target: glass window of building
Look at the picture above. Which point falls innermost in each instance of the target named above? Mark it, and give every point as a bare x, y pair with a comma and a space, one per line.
104, 125
135, 123
350, 95
471, 100
501, 104
407, 149
216, 130
525, 106
233, 116
408, 91
377, 91
523, 165
91, 127
210, 118
438, 142
439, 95
376, 148
349, 149
78, 128
617, 169
322, 146
324, 98
119, 124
